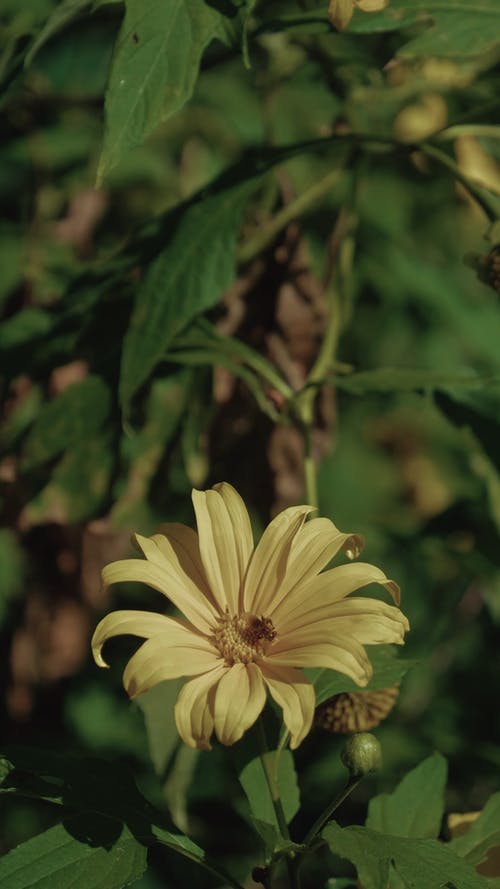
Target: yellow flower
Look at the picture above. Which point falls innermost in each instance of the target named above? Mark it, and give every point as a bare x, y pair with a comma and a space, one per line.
253, 616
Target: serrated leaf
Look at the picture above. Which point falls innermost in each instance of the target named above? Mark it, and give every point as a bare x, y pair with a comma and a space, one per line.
415, 808
452, 28
388, 669
104, 791
187, 278
78, 412
155, 67
419, 863
60, 858
481, 835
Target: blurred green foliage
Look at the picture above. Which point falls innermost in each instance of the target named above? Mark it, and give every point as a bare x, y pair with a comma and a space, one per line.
149, 342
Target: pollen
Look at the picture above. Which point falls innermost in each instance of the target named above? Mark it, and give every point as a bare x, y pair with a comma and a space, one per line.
243, 637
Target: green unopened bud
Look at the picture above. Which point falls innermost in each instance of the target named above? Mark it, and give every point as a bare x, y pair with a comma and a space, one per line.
362, 754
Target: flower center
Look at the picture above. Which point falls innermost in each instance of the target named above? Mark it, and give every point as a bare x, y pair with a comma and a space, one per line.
242, 638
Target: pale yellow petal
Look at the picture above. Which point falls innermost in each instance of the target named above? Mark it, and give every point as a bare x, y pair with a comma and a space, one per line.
293, 692
327, 588
368, 621
316, 544
357, 607
372, 5
340, 13
194, 709
168, 578
239, 700
218, 549
240, 521
161, 658
184, 542
268, 564
372, 628
345, 655
126, 623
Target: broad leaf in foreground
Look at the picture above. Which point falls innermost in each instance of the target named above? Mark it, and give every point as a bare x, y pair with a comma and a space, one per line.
419, 863
415, 808
59, 857
109, 830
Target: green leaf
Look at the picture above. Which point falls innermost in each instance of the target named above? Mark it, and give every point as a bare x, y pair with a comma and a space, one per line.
30, 324
253, 780
12, 561
64, 13
178, 783
419, 863
479, 412
481, 835
452, 28
62, 857
78, 485
415, 808
74, 415
157, 706
400, 379
187, 278
388, 669
101, 790
155, 67
166, 405
12, 249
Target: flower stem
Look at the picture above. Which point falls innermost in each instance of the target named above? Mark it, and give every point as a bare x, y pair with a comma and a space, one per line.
486, 200
328, 812
313, 195
272, 783
292, 863
307, 397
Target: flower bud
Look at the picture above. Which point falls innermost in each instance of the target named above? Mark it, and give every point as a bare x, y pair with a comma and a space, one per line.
362, 754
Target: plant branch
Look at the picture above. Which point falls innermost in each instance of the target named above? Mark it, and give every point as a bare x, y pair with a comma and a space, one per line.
329, 811
271, 780
482, 195
264, 237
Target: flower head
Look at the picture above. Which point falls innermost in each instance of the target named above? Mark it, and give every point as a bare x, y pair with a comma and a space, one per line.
253, 616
